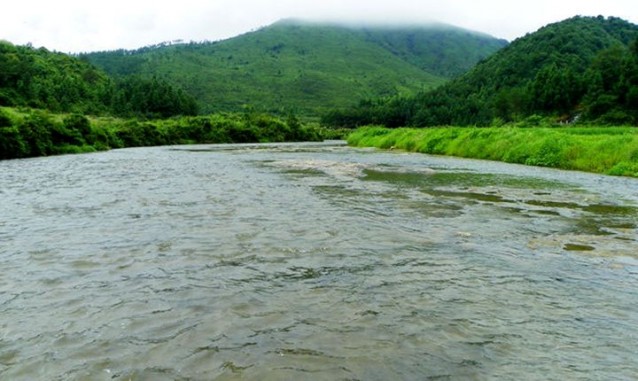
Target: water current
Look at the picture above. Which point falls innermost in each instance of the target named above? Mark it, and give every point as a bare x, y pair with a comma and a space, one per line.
313, 262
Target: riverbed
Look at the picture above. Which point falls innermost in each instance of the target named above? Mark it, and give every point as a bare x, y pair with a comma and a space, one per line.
313, 261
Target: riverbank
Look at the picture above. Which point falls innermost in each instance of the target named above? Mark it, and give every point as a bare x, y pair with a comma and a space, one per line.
31, 132
606, 150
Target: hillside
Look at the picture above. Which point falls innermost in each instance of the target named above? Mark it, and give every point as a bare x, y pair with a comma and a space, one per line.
583, 67
43, 79
307, 67
61, 83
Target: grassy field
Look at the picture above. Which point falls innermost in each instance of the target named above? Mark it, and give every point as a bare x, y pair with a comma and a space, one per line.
607, 150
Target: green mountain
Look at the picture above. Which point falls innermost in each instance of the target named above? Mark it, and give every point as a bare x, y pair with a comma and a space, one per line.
61, 83
307, 67
43, 79
583, 68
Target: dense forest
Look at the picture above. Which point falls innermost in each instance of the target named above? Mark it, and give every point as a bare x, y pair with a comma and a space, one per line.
58, 82
307, 68
584, 68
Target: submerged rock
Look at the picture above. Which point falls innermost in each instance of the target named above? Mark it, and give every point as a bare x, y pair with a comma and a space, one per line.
577, 247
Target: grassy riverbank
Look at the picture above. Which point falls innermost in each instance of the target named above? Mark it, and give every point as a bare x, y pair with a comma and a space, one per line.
608, 150
30, 133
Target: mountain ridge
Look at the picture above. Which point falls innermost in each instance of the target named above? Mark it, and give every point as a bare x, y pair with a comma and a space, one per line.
581, 66
307, 66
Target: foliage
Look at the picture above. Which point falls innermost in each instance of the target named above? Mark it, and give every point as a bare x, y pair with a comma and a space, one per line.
152, 98
306, 68
581, 68
62, 83
610, 150
29, 133
39, 78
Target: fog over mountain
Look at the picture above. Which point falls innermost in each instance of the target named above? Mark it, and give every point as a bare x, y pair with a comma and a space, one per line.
81, 26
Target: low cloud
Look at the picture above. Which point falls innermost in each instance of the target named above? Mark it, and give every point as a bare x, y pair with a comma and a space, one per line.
72, 25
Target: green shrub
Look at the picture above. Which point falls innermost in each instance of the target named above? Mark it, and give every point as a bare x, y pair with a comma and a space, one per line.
5, 120
12, 144
624, 169
79, 123
36, 132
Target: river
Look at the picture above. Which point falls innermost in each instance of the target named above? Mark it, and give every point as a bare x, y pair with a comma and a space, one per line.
313, 261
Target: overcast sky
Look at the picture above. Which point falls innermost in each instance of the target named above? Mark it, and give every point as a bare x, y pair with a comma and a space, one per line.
86, 25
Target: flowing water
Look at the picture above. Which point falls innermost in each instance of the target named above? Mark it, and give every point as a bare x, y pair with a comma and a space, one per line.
313, 261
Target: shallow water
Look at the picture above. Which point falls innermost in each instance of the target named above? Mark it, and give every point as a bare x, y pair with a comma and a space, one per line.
313, 261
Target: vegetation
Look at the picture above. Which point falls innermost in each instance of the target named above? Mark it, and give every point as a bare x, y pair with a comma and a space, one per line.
29, 133
60, 83
306, 68
39, 78
582, 68
608, 150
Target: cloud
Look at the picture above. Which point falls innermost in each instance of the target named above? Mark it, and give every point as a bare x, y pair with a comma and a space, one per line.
73, 25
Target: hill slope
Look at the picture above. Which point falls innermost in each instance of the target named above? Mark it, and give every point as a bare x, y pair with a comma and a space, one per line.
62, 83
585, 66
39, 78
307, 67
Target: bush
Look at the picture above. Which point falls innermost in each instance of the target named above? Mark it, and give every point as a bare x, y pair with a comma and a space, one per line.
79, 123
624, 169
36, 132
11, 143
550, 154
60, 134
5, 120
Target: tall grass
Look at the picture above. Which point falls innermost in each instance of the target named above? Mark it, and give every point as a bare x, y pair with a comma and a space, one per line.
608, 150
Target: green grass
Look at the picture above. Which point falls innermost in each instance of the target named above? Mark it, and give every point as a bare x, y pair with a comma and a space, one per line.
607, 150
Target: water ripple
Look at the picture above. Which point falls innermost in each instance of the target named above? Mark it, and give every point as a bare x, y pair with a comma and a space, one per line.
313, 262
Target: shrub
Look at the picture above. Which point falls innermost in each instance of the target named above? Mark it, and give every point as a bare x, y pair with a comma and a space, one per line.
36, 132
79, 123
11, 143
5, 120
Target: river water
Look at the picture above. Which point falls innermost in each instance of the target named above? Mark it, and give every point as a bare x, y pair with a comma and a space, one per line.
313, 261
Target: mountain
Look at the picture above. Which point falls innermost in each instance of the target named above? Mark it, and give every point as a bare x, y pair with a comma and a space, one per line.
62, 83
43, 79
580, 67
307, 67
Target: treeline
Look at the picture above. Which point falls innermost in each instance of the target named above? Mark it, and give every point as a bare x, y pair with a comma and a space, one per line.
30, 133
58, 82
580, 69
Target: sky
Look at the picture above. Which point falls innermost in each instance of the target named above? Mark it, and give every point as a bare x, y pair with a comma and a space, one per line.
75, 26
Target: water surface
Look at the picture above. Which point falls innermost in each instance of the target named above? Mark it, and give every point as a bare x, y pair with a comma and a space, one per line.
313, 261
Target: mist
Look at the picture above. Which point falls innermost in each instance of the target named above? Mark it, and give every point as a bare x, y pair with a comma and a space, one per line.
80, 26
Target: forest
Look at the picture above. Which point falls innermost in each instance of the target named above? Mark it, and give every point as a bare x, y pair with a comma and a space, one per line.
307, 68
58, 82
582, 69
